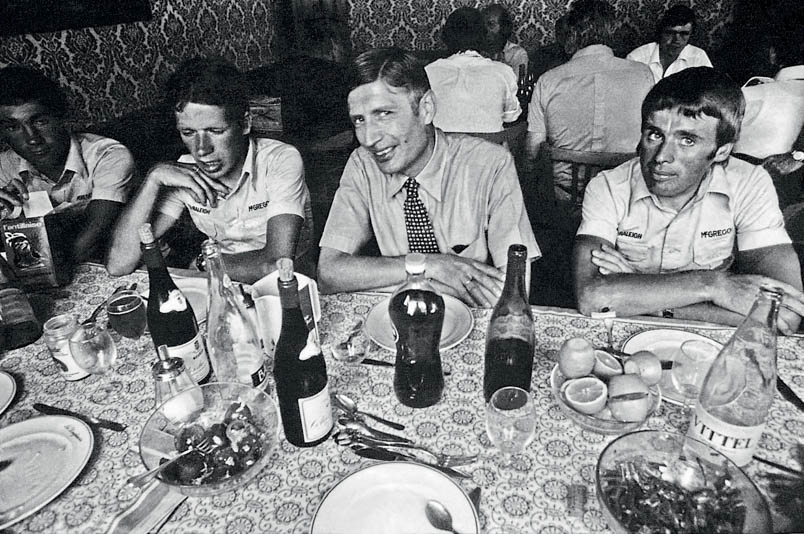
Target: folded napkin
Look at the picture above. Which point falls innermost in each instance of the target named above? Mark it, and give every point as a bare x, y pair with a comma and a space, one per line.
149, 512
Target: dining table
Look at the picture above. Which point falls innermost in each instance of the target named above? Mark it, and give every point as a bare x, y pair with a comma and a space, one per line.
527, 494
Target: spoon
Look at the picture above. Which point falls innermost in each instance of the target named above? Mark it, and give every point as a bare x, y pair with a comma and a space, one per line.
344, 345
350, 407
439, 516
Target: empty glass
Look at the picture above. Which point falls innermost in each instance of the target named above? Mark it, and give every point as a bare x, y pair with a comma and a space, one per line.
352, 346
127, 313
510, 421
690, 365
93, 349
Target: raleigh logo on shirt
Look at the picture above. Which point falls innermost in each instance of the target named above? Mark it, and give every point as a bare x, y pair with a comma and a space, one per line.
716, 233
634, 235
198, 209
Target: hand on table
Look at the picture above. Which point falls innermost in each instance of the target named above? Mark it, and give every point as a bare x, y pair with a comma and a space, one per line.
610, 261
473, 282
203, 189
11, 196
737, 292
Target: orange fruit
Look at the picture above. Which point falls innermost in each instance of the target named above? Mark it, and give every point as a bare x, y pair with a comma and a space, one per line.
629, 398
587, 395
606, 365
645, 364
576, 357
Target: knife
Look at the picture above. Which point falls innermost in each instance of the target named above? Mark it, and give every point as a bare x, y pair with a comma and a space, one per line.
96, 421
383, 363
385, 455
788, 394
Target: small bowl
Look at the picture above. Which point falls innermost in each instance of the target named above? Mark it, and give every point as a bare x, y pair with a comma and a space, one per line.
592, 422
158, 436
693, 464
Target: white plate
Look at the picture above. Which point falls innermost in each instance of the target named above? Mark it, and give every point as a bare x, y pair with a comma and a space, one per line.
8, 388
389, 498
195, 291
47, 453
664, 343
458, 323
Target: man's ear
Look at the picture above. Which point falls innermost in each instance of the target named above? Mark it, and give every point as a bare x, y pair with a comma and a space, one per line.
427, 106
723, 152
246, 123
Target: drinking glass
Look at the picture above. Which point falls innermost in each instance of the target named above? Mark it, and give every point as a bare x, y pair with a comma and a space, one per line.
510, 421
93, 348
127, 313
352, 346
690, 365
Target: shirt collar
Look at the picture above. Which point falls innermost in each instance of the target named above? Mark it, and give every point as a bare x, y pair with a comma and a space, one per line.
74, 164
790, 73
245, 173
714, 182
431, 176
593, 50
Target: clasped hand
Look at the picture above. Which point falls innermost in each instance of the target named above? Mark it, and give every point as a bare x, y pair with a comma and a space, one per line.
202, 188
12, 195
471, 281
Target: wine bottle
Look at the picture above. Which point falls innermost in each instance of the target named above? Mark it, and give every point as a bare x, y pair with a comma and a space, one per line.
171, 320
510, 338
738, 390
417, 316
299, 369
18, 324
234, 348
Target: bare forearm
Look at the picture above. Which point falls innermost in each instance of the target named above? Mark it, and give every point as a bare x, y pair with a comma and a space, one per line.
248, 267
708, 312
124, 252
357, 273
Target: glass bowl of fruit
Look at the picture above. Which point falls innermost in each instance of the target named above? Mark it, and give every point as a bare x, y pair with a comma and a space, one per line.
593, 389
228, 428
653, 481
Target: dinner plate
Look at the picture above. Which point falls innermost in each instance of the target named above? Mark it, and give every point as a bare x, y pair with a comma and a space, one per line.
8, 388
389, 498
458, 323
195, 291
46, 453
664, 343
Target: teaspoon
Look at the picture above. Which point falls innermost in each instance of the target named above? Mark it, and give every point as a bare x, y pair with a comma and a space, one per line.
350, 407
439, 516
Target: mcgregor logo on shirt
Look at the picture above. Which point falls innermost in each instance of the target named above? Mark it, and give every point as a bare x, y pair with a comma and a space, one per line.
626, 233
258, 206
716, 233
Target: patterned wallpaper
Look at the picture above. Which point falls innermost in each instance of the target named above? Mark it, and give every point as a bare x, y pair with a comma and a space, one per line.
114, 69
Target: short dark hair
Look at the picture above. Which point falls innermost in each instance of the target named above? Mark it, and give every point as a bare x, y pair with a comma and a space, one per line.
700, 91
211, 81
589, 22
506, 23
20, 85
677, 15
395, 67
465, 29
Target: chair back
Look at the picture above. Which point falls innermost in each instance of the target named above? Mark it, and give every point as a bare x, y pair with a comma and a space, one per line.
585, 164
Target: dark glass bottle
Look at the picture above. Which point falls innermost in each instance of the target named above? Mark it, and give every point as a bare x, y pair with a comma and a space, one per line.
300, 371
510, 337
171, 320
18, 324
417, 315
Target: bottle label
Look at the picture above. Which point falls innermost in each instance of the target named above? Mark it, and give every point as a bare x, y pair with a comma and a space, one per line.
511, 327
735, 442
60, 352
312, 348
194, 354
316, 415
175, 302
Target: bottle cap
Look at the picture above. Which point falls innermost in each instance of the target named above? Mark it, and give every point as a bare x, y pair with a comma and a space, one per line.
208, 246
414, 263
167, 370
146, 234
285, 266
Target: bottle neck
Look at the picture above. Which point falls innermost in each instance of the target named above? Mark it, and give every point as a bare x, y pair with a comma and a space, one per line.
515, 276
765, 310
216, 269
158, 275
289, 293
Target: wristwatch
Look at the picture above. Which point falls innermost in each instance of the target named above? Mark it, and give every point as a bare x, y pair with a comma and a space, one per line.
667, 313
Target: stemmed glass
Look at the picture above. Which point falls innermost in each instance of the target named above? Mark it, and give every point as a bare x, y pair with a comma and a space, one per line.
127, 313
510, 421
690, 365
93, 349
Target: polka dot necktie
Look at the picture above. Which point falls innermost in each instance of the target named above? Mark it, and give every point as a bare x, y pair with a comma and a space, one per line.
421, 237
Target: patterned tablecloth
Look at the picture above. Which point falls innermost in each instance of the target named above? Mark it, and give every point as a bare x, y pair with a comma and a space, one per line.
527, 496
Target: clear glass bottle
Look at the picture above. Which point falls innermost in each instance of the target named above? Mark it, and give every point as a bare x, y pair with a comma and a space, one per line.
738, 390
510, 338
417, 316
232, 340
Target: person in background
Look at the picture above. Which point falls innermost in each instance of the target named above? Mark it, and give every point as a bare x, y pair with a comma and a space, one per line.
87, 177
474, 93
414, 188
499, 28
685, 230
671, 51
246, 193
552, 55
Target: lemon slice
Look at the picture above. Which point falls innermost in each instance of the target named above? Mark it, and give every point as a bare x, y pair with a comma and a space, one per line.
576, 357
629, 398
606, 365
586, 395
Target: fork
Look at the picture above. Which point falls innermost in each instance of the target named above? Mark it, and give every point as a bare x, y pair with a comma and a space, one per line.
442, 459
205, 446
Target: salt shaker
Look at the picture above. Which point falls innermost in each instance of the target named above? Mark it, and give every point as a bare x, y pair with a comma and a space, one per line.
170, 380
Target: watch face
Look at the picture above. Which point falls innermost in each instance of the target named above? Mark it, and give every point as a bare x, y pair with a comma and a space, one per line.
798, 155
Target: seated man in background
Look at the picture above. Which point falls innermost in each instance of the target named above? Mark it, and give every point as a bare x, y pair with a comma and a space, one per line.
499, 28
671, 52
246, 193
659, 233
414, 188
552, 55
472, 92
87, 177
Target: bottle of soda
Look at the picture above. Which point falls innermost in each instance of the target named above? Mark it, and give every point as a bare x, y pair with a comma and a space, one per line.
738, 390
234, 347
300, 371
510, 337
417, 315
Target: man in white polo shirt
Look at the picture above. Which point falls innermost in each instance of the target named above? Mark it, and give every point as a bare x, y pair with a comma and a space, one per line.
86, 176
248, 194
685, 230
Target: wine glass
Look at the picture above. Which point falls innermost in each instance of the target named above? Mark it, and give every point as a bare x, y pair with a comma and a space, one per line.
510, 421
127, 314
353, 346
690, 365
93, 349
